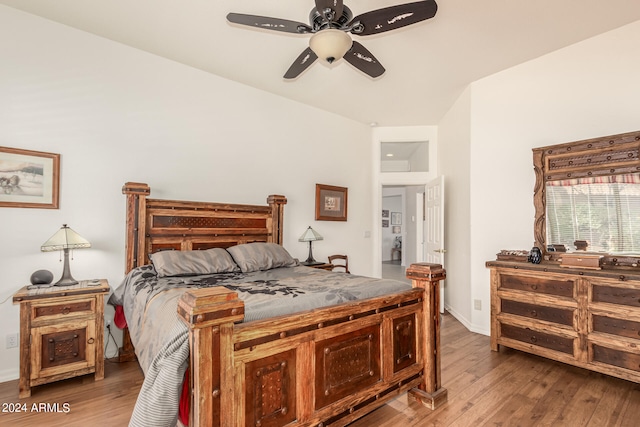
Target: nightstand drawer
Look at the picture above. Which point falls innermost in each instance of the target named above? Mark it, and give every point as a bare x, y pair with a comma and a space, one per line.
63, 309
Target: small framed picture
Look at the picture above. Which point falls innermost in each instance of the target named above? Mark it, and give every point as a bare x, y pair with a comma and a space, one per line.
396, 218
396, 229
29, 179
385, 223
385, 213
331, 203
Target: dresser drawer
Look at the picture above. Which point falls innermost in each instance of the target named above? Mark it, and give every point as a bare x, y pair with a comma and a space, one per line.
562, 288
540, 339
562, 316
62, 309
619, 358
616, 295
613, 326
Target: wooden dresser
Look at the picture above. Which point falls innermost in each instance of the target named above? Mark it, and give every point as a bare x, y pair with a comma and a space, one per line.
583, 317
61, 332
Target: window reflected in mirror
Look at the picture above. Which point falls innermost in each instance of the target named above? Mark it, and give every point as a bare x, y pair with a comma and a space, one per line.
596, 214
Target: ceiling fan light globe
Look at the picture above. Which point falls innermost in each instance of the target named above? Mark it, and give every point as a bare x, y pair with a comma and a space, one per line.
330, 44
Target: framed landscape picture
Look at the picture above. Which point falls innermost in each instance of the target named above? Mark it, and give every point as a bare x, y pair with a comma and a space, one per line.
29, 179
331, 203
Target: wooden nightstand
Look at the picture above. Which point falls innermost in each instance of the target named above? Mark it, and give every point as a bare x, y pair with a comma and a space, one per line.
61, 332
320, 265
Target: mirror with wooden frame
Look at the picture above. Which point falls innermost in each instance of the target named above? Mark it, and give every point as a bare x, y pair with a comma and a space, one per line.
587, 198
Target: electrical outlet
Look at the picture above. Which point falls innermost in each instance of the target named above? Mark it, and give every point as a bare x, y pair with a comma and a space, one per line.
477, 304
12, 340
107, 323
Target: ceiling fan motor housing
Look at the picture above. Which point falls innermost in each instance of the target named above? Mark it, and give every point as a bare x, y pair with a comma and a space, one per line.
319, 21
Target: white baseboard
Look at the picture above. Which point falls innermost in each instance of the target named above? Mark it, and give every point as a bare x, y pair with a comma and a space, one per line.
465, 322
9, 375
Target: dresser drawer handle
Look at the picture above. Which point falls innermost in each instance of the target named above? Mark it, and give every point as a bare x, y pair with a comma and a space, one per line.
534, 313
534, 287
90, 340
533, 339
66, 310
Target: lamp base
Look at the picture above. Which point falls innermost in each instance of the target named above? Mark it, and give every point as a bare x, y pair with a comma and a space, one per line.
66, 279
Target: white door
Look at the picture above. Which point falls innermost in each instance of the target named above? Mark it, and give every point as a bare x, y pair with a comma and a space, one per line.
434, 227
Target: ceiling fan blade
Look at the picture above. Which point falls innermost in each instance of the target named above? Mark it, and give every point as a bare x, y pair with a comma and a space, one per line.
391, 18
363, 60
336, 6
302, 62
267, 23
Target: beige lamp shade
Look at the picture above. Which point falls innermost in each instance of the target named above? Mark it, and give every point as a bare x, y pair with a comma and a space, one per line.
330, 44
65, 238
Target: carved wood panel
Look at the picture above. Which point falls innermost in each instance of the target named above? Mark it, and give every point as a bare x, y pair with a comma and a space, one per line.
347, 363
60, 348
271, 390
404, 342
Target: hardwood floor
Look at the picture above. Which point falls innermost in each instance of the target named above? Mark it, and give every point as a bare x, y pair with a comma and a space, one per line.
507, 388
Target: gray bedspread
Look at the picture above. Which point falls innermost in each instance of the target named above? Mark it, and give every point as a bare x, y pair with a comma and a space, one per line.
160, 337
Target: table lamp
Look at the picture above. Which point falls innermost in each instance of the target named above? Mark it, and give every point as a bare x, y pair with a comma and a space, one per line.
310, 235
65, 239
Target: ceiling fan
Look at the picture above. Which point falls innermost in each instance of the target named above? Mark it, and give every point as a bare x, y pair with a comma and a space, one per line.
330, 21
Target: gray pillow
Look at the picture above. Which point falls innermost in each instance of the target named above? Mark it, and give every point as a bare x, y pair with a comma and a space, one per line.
189, 263
261, 256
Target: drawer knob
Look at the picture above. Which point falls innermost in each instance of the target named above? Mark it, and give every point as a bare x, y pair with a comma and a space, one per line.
75, 354
51, 340
534, 313
90, 340
534, 287
534, 339
66, 310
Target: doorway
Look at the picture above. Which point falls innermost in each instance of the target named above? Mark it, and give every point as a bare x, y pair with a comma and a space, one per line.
402, 229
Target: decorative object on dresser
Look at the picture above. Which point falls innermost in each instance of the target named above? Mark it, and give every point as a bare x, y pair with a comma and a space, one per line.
513, 255
63, 240
310, 235
331, 203
535, 256
29, 179
61, 332
389, 344
578, 307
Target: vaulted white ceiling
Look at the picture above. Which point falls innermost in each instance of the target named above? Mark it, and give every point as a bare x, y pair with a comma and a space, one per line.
428, 64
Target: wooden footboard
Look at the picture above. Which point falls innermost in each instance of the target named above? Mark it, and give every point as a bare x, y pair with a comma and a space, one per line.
324, 367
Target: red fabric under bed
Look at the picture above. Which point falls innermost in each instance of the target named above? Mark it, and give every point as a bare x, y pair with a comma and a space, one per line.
118, 317
185, 398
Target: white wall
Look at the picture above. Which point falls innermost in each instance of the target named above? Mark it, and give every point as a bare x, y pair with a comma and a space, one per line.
116, 114
454, 135
586, 90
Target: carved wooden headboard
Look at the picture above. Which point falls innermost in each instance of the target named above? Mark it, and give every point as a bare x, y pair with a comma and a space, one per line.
154, 225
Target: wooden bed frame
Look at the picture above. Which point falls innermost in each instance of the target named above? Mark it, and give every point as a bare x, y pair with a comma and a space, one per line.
323, 367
